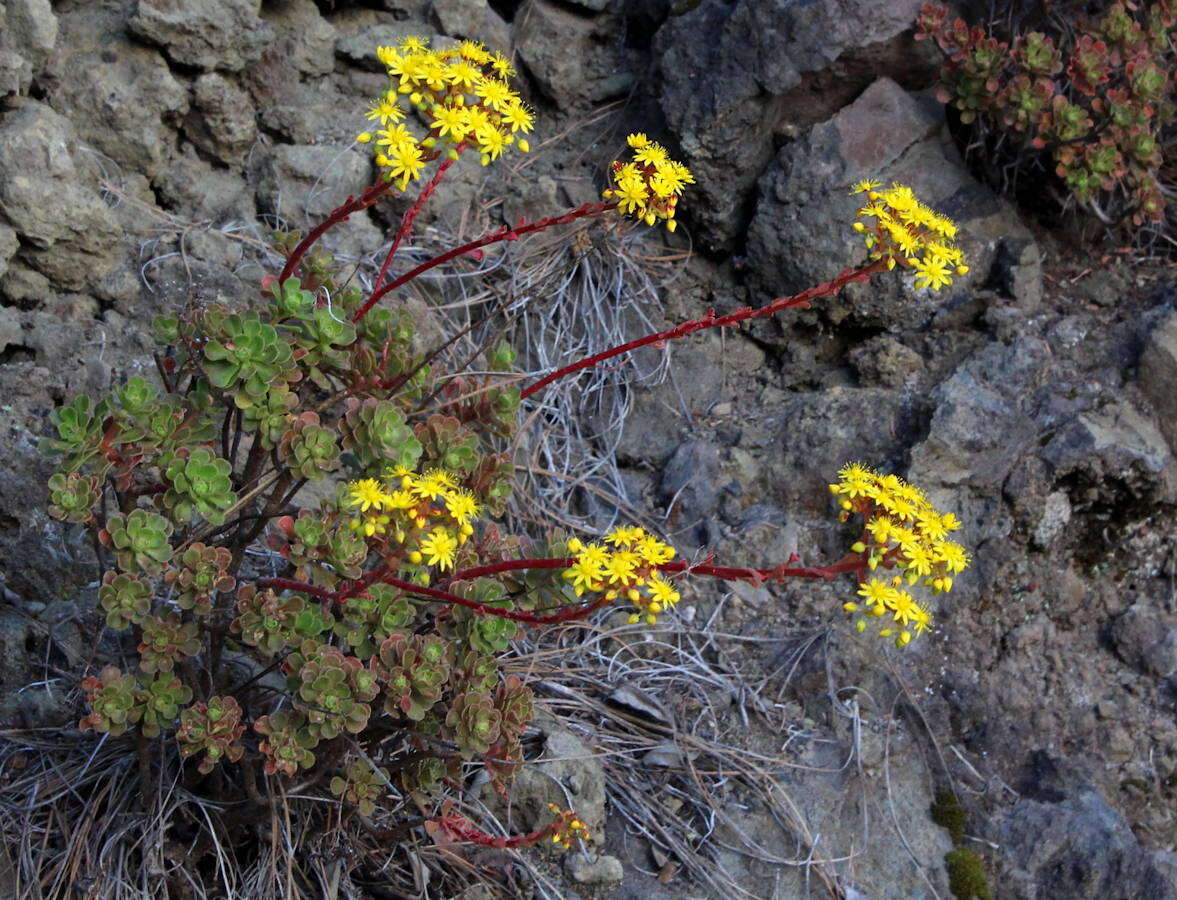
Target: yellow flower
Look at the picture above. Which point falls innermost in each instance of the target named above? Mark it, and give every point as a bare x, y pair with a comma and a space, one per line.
366, 494
519, 117
932, 272
651, 154
631, 195
861, 187
461, 506
638, 141
495, 93
385, 111
415, 44
449, 120
439, 548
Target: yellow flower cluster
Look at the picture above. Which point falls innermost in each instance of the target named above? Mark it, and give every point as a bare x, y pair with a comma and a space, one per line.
567, 827
910, 233
427, 512
462, 94
625, 568
902, 531
648, 186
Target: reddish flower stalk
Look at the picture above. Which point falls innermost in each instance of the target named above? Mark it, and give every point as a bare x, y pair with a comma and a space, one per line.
851, 563
827, 289
506, 233
339, 214
325, 594
406, 226
458, 828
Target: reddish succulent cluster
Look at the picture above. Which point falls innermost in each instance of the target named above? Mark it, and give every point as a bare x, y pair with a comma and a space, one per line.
1096, 101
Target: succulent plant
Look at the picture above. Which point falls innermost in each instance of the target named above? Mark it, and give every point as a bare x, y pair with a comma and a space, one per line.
324, 340
125, 599
290, 300
346, 551
139, 540
477, 672
213, 728
288, 744
365, 622
79, 432
112, 698
423, 776
136, 396
515, 703
160, 701
447, 444
415, 671
485, 634
375, 431
202, 570
491, 481
308, 448
246, 358
360, 785
268, 621
475, 720
166, 641
269, 414
72, 496
199, 485
334, 691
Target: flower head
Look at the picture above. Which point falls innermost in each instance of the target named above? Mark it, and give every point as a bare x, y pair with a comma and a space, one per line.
908, 233
461, 92
648, 186
903, 532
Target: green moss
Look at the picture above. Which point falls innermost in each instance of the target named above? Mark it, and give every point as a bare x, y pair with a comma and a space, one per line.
966, 875
947, 812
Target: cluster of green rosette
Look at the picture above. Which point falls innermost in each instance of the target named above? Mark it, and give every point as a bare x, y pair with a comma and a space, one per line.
189, 490
1099, 99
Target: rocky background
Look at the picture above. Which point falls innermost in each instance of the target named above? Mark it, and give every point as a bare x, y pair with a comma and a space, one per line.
145, 145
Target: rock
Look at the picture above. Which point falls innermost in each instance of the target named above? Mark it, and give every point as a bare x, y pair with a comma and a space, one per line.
359, 49
8, 247
1103, 287
64, 225
191, 187
1061, 840
1146, 639
574, 60
585, 870
1056, 513
1158, 375
303, 40
566, 773
473, 20
819, 431
10, 331
104, 92
731, 74
983, 419
301, 182
225, 35
886, 362
30, 29
15, 73
224, 124
690, 480
1017, 272
804, 211
1116, 449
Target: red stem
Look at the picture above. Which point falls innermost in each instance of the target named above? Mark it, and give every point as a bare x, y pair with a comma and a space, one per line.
506, 233
407, 224
462, 829
337, 215
851, 563
827, 289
